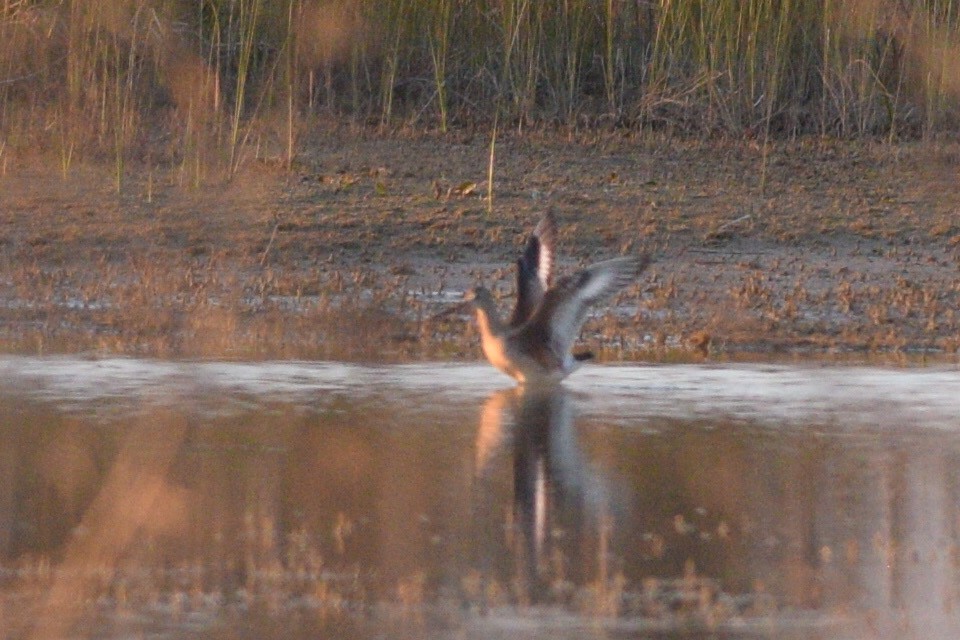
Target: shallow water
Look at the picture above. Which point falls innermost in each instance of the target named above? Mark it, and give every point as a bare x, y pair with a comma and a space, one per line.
300, 500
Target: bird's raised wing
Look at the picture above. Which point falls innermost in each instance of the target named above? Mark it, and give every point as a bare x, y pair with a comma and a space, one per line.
565, 306
534, 270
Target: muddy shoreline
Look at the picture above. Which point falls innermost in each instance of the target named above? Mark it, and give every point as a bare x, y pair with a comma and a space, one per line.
809, 249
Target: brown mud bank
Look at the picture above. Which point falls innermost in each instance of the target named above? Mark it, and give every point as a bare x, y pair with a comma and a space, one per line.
813, 247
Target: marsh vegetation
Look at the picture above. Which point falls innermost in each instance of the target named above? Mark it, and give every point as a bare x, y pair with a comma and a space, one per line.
247, 178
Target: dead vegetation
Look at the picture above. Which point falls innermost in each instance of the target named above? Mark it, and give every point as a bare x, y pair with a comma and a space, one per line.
847, 248
314, 179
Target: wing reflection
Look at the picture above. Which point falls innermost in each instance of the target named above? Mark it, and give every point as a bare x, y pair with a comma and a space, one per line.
550, 477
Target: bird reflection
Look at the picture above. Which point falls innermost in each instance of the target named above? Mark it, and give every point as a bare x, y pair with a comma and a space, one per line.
550, 478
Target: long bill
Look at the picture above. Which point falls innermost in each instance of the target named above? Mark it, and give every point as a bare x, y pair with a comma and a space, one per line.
460, 307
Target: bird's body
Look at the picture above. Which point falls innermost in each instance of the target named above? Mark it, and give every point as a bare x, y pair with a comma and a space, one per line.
534, 346
518, 351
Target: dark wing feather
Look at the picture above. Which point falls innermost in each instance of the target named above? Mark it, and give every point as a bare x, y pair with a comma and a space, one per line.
565, 306
534, 270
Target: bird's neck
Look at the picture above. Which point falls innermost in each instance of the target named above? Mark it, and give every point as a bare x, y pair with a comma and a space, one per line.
488, 320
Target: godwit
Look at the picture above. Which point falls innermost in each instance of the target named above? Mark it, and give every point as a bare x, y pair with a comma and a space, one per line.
534, 345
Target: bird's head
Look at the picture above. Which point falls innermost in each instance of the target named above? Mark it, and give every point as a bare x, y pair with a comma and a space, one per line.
478, 296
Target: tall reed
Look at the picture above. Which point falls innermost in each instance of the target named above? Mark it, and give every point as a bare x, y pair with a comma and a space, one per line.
198, 81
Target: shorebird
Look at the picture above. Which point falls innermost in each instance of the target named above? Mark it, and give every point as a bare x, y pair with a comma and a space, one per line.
534, 345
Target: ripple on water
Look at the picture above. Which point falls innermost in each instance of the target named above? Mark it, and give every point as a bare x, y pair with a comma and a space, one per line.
781, 395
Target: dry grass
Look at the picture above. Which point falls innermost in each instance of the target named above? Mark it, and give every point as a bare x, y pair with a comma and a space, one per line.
208, 87
260, 199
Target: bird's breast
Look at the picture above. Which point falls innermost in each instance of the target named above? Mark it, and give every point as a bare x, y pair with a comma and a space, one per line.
495, 349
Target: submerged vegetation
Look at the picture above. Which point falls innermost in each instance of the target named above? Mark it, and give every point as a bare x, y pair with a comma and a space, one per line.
204, 83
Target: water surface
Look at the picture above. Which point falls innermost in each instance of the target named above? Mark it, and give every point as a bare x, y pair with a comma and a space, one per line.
301, 500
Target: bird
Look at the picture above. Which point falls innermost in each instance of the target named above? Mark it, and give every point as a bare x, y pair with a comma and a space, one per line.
534, 345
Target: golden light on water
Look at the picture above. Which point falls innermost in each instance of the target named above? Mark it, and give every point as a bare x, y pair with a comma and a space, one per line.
134, 499
223, 504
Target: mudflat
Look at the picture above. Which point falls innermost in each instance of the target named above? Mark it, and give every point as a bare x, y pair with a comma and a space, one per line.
806, 248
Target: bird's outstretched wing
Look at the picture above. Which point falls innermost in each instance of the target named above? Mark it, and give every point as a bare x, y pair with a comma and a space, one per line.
565, 306
534, 270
